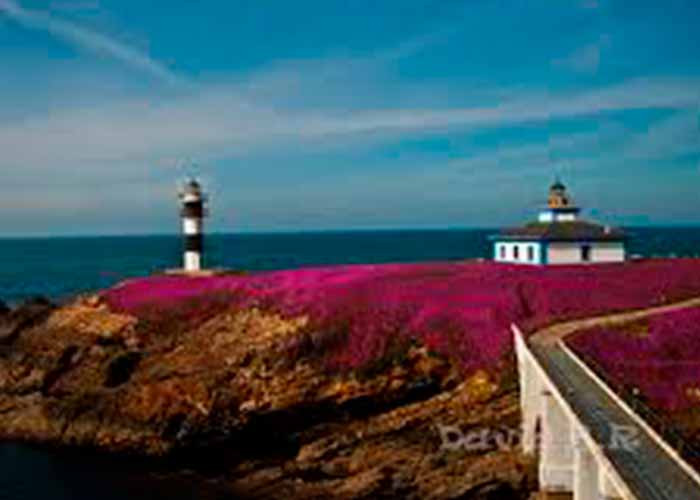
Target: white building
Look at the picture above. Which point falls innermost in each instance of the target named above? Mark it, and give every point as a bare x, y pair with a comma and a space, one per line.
559, 236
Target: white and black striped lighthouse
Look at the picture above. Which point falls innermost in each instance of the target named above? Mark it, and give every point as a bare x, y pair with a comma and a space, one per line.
193, 211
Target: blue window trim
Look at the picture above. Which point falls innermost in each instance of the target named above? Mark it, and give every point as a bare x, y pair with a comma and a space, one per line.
544, 253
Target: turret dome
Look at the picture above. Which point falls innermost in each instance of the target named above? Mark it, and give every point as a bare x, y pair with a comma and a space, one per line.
558, 197
557, 186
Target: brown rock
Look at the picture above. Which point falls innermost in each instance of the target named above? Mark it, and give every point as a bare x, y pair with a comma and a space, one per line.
26, 315
239, 393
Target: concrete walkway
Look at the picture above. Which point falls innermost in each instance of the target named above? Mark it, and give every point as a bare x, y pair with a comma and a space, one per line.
552, 334
647, 468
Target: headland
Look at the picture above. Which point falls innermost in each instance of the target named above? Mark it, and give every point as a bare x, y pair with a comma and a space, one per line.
343, 381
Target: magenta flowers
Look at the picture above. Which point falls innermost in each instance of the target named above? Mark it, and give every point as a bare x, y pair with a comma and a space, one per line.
658, 358
460, 309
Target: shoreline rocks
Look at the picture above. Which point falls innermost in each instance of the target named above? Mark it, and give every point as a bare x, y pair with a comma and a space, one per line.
27, 314
234, 400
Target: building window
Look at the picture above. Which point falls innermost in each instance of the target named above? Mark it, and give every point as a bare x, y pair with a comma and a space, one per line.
502, 250
516, 252
586, 253
531, 253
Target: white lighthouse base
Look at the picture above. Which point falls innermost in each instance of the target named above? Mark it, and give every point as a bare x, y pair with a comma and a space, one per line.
193, 261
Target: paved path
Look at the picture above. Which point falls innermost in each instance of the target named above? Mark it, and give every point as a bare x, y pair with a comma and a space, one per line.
646, 467
554, 333
649, 471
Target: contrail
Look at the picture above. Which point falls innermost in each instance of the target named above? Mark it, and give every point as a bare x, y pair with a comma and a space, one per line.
88, 39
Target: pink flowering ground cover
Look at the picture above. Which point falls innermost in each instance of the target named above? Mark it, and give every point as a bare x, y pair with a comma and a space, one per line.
657, 358
458, 309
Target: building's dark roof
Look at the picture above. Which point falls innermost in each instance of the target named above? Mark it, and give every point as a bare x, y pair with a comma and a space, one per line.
567, 209
562, 231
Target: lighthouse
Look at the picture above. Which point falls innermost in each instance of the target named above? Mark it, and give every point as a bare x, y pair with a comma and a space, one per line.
193, 211
560, 236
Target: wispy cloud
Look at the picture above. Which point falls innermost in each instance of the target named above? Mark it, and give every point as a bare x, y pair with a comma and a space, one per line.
585, 59
88, 39
220, 122
679, 134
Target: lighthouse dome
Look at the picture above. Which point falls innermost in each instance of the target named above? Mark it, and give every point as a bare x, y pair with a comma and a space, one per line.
557, 186
192, 187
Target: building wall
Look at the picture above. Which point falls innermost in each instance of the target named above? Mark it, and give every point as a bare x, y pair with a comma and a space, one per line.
558, 252
571, 253
609, 252
528, 252
564, 253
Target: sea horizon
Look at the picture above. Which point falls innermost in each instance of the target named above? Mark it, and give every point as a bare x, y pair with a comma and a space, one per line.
58, 267
389, 229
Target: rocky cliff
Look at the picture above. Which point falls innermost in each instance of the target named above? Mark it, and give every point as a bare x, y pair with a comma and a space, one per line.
243, 401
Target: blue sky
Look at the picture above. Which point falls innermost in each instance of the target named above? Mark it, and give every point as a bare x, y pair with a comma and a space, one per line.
332, 115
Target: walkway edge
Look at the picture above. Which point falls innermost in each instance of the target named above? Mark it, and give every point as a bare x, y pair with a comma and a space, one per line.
556, 391
626, 408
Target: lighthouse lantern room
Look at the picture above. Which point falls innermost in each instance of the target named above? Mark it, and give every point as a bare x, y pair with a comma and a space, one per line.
193, 212
559, 206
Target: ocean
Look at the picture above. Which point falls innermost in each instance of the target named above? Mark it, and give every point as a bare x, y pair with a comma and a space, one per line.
61, 267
